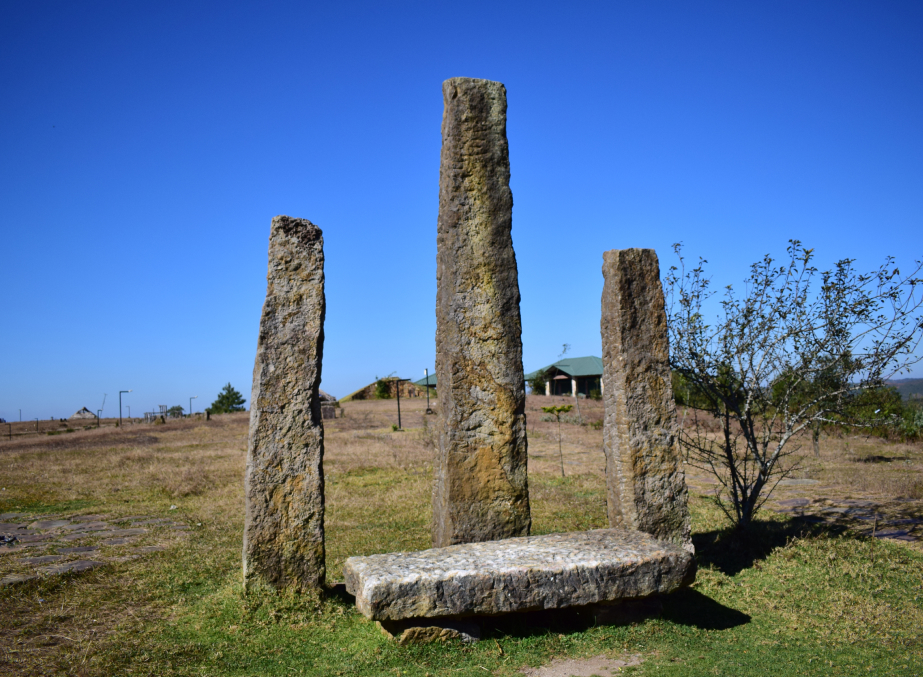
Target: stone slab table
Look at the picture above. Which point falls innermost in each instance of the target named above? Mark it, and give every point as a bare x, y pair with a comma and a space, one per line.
517, 574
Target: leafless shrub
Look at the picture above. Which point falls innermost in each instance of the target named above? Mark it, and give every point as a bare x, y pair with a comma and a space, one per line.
782, 359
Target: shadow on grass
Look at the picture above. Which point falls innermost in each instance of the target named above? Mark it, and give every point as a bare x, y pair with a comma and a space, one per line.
690, 607
731, 551
684, 607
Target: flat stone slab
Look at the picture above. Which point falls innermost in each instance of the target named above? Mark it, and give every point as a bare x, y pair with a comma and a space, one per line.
7, 550
795, 502
517, 574
118, 541
45, 559
37, 538
49, 524
87, 526
78, 565
18, 578
79, 536
83, 548
118, 533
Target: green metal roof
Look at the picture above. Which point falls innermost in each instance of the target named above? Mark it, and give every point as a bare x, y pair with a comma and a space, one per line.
432, 380
576, 367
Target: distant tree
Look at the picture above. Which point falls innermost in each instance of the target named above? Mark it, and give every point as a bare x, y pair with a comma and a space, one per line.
383, 387
783, 358
228, 400
175, 411
537, 382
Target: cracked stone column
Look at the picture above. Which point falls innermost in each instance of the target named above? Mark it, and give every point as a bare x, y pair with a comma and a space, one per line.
646, 483
284, 480
481, 488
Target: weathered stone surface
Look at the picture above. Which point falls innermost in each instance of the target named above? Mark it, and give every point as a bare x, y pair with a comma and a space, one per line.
118, 541
114, 533
17, 578
644, 467
45, 559
38, 538
87, 526
68, 567
49, 524
83, 548
284, 485
88, 518
480, 491
517, 574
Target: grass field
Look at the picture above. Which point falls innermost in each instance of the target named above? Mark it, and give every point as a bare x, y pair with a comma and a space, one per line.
812, 592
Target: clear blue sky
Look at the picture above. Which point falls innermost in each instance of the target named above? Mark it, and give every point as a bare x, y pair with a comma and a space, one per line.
146, 147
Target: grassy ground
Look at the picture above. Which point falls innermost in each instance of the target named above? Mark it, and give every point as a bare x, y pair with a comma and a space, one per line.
796, 599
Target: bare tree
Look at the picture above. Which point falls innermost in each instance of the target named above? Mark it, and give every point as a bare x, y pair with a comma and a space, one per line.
783, 358
556, 412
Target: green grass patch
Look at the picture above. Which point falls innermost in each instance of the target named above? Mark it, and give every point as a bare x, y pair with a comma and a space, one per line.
37, 503
812, 605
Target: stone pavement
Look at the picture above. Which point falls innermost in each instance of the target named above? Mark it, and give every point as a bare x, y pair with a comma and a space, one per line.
50, 545
895, 519
814, 502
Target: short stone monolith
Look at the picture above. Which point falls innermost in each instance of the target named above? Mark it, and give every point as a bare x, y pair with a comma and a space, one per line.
481, 487
284, 481
646, 483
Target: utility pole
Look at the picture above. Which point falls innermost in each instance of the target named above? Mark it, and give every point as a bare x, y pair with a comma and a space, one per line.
120, 405
98, 412
428, 410
190, 403
398, 382
36, 425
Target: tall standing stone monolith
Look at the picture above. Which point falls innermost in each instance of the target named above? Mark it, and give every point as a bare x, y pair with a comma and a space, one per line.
481, 488
644, 467
284, 481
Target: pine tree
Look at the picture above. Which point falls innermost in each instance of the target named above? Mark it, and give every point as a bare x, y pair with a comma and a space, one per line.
228, 400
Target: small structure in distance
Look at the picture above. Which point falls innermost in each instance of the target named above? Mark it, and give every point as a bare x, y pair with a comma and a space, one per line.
82, 415
370, 392
328, 404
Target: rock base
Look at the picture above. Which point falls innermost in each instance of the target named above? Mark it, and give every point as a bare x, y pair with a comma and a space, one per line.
534, 573
426, 630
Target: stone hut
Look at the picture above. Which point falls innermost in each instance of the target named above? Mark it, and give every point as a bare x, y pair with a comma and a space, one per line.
82, 415
370, 392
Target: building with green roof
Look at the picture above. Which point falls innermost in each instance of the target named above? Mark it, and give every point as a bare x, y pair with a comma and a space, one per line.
423, 382
571, 376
